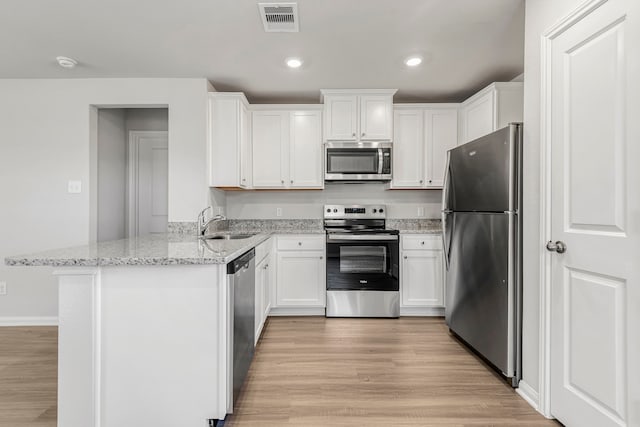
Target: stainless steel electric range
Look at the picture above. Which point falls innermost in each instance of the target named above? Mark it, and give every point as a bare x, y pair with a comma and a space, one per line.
362, 262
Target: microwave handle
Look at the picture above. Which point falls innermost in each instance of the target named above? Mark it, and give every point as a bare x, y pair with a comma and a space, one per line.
380, 161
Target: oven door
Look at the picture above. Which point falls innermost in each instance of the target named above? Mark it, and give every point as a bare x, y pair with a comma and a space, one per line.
362, 262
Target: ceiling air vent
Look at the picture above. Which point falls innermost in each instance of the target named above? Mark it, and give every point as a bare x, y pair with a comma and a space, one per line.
279, 17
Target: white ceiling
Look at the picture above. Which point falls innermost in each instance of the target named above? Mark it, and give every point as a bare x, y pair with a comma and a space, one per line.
344, 43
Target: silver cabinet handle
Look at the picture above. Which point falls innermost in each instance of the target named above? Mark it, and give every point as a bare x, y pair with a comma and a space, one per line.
559, 246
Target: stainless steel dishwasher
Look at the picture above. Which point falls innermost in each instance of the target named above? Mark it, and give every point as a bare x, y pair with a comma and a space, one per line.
242, 291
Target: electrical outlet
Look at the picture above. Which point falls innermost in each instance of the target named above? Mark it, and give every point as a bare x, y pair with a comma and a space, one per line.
3, 288
74, 187
420, 211
278, 212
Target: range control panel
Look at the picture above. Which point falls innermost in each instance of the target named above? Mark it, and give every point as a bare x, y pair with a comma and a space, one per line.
355, 211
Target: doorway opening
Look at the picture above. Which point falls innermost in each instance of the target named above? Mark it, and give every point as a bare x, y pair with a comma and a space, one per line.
131, 172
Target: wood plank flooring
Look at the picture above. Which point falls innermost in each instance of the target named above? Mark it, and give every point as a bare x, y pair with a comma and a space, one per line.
314, 371
28, 376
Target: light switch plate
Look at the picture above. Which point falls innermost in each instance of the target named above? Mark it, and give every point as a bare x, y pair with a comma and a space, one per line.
421, 211
3, 288
74, 187
278, 211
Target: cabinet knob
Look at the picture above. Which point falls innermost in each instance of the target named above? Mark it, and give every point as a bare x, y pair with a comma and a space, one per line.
321, 257
421, 181
244, 179
299, 243
282, 182
353, 134
422, 243
362, 133
292, 181
429, 181
405, 257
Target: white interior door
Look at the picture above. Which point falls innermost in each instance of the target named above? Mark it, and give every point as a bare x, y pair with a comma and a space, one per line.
595, 212
148, 182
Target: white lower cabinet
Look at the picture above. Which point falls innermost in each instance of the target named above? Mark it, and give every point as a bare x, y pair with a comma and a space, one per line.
421, 275
264, 280
300, 275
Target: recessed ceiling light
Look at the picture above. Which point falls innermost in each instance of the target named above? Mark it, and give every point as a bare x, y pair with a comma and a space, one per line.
294, 62
65, 62
413, 61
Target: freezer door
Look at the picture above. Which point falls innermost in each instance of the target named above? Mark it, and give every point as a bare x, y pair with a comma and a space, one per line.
482, 173
480, 283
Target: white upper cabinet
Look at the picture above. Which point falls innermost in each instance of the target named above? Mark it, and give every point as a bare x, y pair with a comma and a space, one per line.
358, 115
493, 108
229, 140
305, 164
341, 118
287, 148
423, 133
441, 135
270, 141
376, 117
408, 148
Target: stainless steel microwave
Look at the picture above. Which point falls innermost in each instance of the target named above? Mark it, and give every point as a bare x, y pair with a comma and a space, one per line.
358, 161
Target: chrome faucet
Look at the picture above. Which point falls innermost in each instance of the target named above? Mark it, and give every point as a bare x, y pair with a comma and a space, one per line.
203, 225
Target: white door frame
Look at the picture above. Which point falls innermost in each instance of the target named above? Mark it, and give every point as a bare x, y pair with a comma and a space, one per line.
132, 177
544, 393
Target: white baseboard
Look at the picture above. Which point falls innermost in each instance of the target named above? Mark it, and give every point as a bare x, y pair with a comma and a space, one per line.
296, 311
422, 311
28, 321
529, 394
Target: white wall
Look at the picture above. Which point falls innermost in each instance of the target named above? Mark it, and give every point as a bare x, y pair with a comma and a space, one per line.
540, 15
45, 141
308, 204
147, 119
112, 171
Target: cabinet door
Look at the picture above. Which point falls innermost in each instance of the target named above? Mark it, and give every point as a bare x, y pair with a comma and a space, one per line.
224, 140
376, 117
408, 146
421, 280
478, 117
305, 164
266, 288
300, 279
246, 166
441, 129
340, 117
259, 297
270, 141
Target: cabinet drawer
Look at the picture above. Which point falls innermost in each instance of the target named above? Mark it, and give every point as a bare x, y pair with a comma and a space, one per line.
421, 241
262, 250
301, 243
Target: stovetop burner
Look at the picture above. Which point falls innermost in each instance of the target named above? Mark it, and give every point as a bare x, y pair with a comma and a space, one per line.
360, 219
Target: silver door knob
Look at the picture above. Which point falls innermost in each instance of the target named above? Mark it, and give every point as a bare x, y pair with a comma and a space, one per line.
559, 247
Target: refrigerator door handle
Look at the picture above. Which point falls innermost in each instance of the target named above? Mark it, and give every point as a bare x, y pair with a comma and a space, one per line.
445, 184
446, 239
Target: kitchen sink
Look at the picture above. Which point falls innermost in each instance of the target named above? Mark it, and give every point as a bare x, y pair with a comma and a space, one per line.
227, 236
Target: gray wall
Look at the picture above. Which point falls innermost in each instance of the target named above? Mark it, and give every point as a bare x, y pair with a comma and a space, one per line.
114, 125
112, 174
46, 139
540, 16
308, 204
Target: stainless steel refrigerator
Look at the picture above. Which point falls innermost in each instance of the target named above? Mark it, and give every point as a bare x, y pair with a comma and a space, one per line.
482, 233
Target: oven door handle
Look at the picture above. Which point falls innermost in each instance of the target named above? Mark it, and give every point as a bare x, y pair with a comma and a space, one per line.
362, 237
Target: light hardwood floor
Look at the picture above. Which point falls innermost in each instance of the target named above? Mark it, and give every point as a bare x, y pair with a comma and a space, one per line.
373, 372
28, 376
312, 371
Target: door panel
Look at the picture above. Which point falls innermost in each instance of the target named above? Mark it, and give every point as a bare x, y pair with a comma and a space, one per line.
341, 115
594, 284
441, 129
270, 142
479, 301
305, 161
376, 117
152, 183
421, 279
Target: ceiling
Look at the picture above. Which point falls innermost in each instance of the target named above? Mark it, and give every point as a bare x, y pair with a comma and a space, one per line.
466, 44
